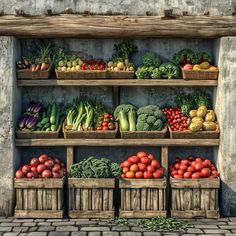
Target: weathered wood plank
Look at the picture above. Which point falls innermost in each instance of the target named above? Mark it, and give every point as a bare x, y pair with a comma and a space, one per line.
155, 199
117, 142
39, 183
142, 183
19, 199
70, 157
78, 199
54, 199
105, 205
32, 199
39, 214
91, 214
119, 82
91, 183
142, 214
196, 199
143, 199
40, 199
128, 199
85, 200
78, 26
195, 183
164, 159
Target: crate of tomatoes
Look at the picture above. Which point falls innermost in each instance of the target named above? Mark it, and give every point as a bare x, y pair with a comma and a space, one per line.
195, 184
39, 187
142, 187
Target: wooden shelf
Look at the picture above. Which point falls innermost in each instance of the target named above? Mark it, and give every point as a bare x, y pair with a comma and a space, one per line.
118, 82
80, 26
117, 142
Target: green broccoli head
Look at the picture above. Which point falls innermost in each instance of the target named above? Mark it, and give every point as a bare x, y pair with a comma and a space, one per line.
158, 125
149, 110
144, 72
151, 59
151, 119
123, 107
156, 74
169, 70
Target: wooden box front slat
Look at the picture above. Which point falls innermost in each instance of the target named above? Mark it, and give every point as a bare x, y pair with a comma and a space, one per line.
194, 198
142, 198
91, 198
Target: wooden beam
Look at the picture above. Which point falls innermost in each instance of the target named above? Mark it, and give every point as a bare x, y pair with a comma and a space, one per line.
78, 26
119, 82
117, 142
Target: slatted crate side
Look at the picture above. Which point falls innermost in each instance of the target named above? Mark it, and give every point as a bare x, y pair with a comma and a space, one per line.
194, 198
39, 198
91, 198
142, 198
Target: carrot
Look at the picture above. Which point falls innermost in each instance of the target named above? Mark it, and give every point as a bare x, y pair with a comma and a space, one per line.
33, 67
37, 68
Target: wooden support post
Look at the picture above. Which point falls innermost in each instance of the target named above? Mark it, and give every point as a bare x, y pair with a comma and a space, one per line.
116, 96
70, 156
164, 159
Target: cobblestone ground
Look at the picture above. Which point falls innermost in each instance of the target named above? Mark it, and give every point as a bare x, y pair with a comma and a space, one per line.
81, 227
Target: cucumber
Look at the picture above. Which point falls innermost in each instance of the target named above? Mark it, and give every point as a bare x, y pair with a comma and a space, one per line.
47, 125
53, 128
39, 125
57, 119
48, 129
53, 113
49, 110
44, 121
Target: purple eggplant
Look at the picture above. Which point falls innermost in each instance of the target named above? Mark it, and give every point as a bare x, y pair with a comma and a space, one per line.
30, 106
31, 122
38, 107
22, 120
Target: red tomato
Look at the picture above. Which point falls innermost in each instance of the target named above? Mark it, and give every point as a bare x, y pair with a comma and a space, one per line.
199, 160
134, 159
191, 158
105, 128
49, 164
112, 127
187, 174
193, 164
147, 175
127, 164
139, 175
57, 160
215, 173
43, 158
25, 169
19, 174
125, 170
30, 175
151, 168
205, 172
130, 174
104, 124
185, 162
155, 164
46, 174
56, 167
99, 128
134, 168
206, 163
41, 168
157, 174
175, 172
151, 156
107, 115
121, 165
213, 176
34, 162
196, 175
180, 172
178, 176
123, 175
198, 166
177, 166
145, 160
34, 169
183, 167
55, 175
142, 167
191, 169
141, 154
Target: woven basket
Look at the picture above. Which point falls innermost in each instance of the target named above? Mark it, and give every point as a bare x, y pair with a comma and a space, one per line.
144, 134
199, 74
187, 134
83, 74
120, 74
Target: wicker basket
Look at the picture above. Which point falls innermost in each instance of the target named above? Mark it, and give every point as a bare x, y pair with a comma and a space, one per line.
28, 74
120, 74
187, 134
38, 134
83, 74
143, 134
93, 134
199, 74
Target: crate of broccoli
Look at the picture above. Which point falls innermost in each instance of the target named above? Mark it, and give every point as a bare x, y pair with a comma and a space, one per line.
145, 122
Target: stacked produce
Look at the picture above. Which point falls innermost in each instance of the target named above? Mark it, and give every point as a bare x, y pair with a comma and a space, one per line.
141, 165
153, 68
45, 166
106, 122
120, 60
95, 168
85, 115
147, 118
39, 118
193, 167
190, 60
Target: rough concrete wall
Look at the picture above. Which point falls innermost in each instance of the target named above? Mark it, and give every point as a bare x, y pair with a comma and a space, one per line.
8, 156
226, 104
131, 7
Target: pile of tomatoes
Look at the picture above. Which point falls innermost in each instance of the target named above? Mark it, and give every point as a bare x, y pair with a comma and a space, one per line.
193, 167
176, 119
142, 165
93, 64
106, 122
44, 166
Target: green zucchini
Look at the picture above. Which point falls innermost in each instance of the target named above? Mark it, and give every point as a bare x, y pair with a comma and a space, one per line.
53, 113
39, 125
47, 125
48, 129
57, 119
44, 121
53, 128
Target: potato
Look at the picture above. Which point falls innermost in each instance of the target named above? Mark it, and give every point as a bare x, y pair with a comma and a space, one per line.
197, 119
195, 126
201, 111
193, 113
116, 69
78, 67
64, 68
209, 126
210, 116
73, 68
120, 65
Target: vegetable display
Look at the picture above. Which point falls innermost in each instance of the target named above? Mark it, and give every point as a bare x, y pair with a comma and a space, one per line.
153, 68
141, 165
45, 166
193, 167
106, 122
95, 168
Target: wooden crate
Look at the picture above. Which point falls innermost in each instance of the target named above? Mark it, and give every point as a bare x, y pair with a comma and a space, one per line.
143, 134
28, 74
187, 134
93, 134
39, 198
83, 74
142, 198
38, 134
120, 74
199, 74
194, 198
91, 198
